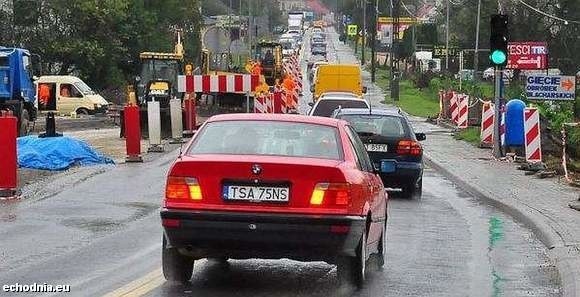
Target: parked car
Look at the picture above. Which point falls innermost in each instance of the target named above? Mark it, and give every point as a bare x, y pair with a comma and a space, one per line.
392, 145
325, 106
240, 191
74, 95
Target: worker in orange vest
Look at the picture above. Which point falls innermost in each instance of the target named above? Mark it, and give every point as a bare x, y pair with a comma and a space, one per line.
289, 87
44, 91
288, 83
257, 68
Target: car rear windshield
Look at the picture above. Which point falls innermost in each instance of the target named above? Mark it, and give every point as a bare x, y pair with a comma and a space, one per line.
384, 125
268, 138
326, 107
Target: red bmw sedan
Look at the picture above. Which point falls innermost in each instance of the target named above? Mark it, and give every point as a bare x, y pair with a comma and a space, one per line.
274, 186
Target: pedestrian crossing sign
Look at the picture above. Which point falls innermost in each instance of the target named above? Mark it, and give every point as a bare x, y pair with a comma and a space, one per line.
352, 30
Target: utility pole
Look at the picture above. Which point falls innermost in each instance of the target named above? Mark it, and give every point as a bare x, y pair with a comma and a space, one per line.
395, 51
374, 41
447, 37
364, 31
476, 53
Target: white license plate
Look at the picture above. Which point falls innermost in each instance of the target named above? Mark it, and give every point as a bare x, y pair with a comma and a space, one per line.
250, 193
376, 147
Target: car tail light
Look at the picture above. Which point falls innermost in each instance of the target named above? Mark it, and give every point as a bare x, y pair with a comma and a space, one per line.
409, 147
330, 194
183, 188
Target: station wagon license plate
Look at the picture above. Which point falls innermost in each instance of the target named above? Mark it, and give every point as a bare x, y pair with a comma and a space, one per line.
256, 193
376, 147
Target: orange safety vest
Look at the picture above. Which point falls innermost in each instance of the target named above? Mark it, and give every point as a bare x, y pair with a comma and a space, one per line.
43, 93
289, 84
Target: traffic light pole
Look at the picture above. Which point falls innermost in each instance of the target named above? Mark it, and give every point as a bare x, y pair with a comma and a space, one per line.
497, 151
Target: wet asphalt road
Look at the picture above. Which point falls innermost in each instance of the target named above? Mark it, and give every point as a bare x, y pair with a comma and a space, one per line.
100, 233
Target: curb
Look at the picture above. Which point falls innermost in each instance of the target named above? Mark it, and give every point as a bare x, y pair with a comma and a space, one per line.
566, 258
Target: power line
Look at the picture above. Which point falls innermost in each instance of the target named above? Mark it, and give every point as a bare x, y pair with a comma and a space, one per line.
408, 11
566, 22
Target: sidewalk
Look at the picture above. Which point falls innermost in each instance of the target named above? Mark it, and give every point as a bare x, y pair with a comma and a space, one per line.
540, 204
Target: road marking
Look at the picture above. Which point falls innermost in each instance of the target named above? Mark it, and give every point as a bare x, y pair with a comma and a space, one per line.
141, 286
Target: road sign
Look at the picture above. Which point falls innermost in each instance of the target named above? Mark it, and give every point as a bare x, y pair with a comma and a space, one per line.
527, 55
439, 51
352, 30
550, 87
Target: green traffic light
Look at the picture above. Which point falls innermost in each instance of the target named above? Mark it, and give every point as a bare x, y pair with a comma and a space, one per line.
498, 57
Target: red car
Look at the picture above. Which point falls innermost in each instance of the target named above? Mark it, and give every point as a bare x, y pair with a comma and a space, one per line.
271, 187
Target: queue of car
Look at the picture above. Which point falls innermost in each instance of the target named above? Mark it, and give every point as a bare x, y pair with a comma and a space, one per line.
304, 187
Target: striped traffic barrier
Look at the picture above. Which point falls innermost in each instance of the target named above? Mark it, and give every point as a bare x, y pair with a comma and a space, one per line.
237, 83
532, 135
263, 104
502, 127
453, 107
463, 111
487, 121
9, 160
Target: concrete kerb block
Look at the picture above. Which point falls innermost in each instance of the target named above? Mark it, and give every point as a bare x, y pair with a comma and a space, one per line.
566, 258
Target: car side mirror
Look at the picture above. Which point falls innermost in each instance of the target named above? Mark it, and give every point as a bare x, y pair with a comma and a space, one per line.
312, 89
364, 90
420, 136
311, 104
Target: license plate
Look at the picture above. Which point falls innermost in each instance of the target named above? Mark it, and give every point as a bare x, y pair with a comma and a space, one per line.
256, 194
388, 166
376, 147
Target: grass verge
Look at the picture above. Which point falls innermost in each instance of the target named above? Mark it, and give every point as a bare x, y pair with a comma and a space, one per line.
471, 135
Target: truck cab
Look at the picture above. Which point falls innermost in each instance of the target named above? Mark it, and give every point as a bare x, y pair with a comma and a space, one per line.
17, 89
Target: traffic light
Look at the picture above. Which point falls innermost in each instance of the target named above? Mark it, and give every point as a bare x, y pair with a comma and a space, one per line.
498, 40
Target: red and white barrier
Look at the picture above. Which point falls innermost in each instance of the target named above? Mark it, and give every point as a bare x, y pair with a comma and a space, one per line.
463, 111
238, 83
453, 107
263, 104
487, 121
280, 102
532, 135
502, 127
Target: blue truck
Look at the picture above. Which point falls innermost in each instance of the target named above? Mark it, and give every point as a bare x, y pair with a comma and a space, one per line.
17, 88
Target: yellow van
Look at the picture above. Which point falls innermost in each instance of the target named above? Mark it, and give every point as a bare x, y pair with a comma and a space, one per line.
73, 95
337, 78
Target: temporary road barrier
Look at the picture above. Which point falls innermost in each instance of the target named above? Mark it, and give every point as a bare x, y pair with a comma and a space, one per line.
532, 135
263, 104
453, 108
154, 124
463, 111
279, 99
487, 121
132, 133
502, 127
237, 83
190, 114
176, 120
8, 161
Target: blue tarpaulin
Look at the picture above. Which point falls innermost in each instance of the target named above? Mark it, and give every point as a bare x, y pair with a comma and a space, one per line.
57, 153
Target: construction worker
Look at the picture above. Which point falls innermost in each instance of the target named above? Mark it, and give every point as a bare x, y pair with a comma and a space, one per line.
44, 91
257, 68
288, 83
262, 88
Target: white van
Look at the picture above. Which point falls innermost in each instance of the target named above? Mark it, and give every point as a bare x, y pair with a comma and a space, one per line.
73, 95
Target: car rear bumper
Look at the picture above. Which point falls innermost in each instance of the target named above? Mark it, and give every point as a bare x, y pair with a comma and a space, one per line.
208, 234
406, 173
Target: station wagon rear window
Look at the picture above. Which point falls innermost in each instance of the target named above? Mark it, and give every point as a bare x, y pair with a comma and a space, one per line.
268, 138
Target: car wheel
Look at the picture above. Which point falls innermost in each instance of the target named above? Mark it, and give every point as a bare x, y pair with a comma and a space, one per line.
176, 267
352, 270
82, 111
382, 248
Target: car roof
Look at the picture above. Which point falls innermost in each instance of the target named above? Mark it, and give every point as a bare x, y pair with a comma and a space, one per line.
374, 111
275, 117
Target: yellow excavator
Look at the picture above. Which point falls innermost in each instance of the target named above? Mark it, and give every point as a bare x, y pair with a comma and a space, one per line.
157, 81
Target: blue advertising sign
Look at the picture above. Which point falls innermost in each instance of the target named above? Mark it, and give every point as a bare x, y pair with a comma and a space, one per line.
551, 87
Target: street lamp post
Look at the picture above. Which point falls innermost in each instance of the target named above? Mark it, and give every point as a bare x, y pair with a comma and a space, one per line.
364, 30
374, 42
476, 53
447, 37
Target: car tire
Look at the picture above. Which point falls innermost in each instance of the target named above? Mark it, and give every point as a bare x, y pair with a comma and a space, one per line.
413, 191
352, 270
382, 248
176, 267
82, 111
